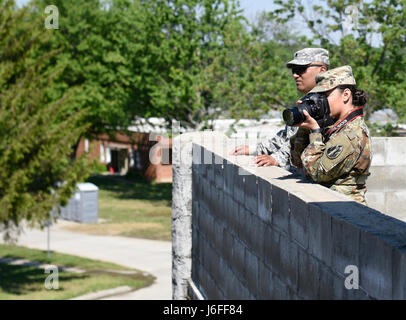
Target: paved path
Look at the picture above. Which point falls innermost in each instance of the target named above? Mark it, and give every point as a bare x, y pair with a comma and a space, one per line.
150, 256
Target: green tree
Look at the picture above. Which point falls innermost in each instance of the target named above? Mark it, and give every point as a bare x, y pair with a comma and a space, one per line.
189, 60
183, 37
35, 132
97, 41
204, 63
248, 77
374, 45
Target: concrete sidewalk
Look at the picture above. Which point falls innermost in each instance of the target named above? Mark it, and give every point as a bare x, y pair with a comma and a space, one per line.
150, 256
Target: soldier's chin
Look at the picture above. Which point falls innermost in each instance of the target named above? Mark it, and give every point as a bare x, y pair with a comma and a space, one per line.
301, 88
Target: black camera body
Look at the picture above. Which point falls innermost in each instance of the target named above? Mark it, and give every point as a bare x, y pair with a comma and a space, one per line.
316, 105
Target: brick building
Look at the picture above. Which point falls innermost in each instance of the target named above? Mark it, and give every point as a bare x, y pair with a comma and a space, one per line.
149, 154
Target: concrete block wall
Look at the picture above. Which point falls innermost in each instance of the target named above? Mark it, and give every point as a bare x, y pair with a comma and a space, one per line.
263, 233
387, 183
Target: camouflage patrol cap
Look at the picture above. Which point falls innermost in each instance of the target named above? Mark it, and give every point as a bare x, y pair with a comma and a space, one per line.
309, 55
332, 78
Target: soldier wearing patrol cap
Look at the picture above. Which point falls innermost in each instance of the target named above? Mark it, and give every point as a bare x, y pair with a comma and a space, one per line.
307, 63
341, 158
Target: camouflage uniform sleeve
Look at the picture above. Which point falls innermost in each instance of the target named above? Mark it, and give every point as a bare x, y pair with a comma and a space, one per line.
326, 162
298, 143
279, 147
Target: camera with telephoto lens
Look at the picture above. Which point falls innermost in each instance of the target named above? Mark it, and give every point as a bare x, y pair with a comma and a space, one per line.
316, 105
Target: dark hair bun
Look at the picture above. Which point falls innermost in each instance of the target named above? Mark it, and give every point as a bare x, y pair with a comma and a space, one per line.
359, 98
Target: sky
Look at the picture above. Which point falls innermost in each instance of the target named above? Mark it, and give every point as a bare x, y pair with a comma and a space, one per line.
250, 6
21, 2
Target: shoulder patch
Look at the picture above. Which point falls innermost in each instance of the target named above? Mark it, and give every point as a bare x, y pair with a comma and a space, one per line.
338, 148
334, 151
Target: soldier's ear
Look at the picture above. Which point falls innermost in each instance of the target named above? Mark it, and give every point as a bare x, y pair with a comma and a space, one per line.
323, 68
346, 95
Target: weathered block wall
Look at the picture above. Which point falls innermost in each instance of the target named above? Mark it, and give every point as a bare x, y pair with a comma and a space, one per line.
387, 183
262, 233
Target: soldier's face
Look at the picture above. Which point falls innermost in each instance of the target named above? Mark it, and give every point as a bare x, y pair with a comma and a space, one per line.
339, 102
306, 80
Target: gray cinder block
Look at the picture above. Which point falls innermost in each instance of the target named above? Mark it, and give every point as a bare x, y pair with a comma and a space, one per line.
378, 151
396, 177
230, 212
195, 212
220, 273
251, 193
279, 290
219, 228
239, 182
395, 151
376, 200
399, 275
197, 158
251, 267
345, 245
256, 237
280, 208
206, 226
309, 273
217, 204
228, 247
320, 237
299, 212
246, 227
288, 261
272, 249
377, 180
208, 156
235, 289
396, 204
326, 284
375, 266
264, 281
200, 281
264, 200
219, 176
196, 247
213, 259
230, 171
339, 290
238, 260
209, 286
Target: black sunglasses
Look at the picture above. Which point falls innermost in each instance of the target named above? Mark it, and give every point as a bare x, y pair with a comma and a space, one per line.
301, 69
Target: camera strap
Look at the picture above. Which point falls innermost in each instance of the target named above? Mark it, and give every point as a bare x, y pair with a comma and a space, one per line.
354, 114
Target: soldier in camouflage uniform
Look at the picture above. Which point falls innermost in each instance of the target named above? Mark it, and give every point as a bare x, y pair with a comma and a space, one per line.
340, 159
276, 151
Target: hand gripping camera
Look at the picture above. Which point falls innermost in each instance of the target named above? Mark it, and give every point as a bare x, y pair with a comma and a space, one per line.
316, 105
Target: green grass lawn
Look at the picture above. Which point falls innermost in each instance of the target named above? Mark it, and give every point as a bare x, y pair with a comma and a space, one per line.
131, 207
28, 282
